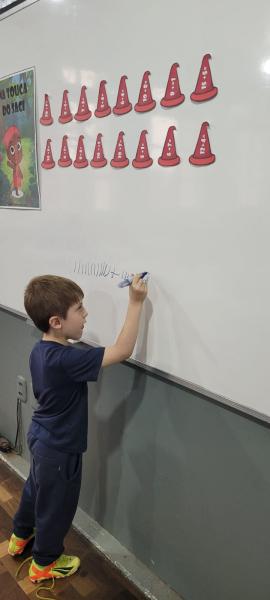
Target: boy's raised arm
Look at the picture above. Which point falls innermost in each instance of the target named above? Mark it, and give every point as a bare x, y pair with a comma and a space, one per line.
124, 345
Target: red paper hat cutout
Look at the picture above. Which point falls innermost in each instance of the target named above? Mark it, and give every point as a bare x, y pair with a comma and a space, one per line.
142, 159
173, 95
48, 162
120, 160
123, 105
64, 160
98, 161
66, 115
80, 161
202, 154
46, 118
83, 112
145, 100
103, 109
205, 90
169, 157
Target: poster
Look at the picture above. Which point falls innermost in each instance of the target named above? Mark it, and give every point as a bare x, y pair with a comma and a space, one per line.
18, 158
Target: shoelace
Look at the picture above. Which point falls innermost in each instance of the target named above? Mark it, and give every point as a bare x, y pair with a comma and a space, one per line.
41, 587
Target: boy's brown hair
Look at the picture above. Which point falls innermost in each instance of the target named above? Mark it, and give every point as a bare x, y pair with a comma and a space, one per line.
49, 295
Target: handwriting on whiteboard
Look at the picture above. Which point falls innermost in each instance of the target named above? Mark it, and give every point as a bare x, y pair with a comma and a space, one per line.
99, 269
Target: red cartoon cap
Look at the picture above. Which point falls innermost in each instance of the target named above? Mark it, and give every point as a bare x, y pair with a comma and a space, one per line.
65, 115
205, 90
103, 109
64, 160
98, 161
142, 159
46, 118
83, 113
80, 161
202, 154
120, 160
145, 100
123, 105
48, 161
173, 95
169, 157
9, 135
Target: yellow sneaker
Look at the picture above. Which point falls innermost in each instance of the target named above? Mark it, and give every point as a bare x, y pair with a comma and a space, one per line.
17, 545
64, 566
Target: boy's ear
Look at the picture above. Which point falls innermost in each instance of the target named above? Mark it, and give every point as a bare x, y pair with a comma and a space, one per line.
55, 322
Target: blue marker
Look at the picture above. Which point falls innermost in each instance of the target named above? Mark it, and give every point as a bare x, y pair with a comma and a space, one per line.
128, 280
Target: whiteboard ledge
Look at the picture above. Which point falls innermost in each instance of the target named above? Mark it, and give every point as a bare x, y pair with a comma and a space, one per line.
18, 313
245, 410
9, 12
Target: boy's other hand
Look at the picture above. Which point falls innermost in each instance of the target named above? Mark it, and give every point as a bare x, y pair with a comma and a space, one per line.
138, 289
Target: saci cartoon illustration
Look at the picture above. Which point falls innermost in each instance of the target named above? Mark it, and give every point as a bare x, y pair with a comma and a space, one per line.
13, 145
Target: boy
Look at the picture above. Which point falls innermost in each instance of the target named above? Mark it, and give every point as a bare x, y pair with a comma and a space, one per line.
58, 432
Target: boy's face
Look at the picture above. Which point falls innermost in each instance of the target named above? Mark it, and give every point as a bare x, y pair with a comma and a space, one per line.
74, 322
72, 326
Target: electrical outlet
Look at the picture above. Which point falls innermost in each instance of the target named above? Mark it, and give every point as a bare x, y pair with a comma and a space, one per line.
21, 389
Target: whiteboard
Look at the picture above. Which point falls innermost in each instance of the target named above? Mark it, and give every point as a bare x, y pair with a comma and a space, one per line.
202, 232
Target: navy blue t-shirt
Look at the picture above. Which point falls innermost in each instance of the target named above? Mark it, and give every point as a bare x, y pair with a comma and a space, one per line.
59, 377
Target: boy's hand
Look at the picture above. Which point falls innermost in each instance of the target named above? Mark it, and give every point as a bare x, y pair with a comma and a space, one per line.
125, 343
138, 289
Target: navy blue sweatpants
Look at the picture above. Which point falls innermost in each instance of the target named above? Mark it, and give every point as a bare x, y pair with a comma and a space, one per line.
49, 500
